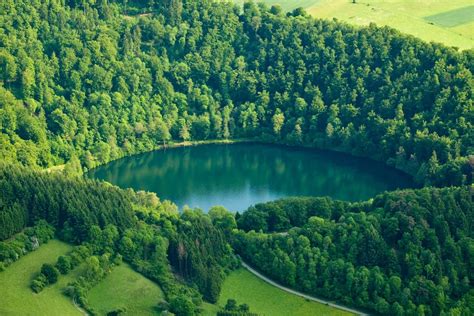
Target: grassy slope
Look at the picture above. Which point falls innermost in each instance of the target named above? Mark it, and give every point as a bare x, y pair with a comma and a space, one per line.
16, 297
265, 299
453, 18
408, 16
124, 287
209, 309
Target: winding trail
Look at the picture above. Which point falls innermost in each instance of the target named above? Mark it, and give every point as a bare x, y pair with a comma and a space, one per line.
264, 278
78, 307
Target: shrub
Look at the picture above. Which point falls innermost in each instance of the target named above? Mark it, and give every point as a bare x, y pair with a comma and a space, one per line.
39, 283
182, 306
64, 264
50, 272
116, 312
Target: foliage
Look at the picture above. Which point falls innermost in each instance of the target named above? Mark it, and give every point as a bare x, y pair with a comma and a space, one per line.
281, 215
406, 250
232, 309
28, 240
96, 268
64, 264
125, 289
39, 283
182, 305
15, 290
48, 276
222, 219
72, 205
95, 86
82, 84
200, 253
50, 272
110, 223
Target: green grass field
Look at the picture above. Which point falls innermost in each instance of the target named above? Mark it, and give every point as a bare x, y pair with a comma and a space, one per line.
450, 22
443, 21
16, 297
454, 17
125, 288
266, 299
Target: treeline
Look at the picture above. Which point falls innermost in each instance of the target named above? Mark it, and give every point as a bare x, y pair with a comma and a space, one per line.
198, 251
281, 215
30, 239
403, 253
84, 80
96, 268
109, 224
72, 205
49, 274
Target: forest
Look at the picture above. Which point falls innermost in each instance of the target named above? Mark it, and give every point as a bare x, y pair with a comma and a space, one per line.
86, 82
403, 253
109, 225
83, 81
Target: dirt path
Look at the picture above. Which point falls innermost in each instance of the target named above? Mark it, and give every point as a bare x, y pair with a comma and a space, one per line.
79, 308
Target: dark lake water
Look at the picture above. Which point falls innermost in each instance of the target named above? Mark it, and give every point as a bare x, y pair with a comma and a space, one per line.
239, 175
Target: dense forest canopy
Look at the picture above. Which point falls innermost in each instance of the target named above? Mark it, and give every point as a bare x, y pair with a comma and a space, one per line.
108, 223
96, 80
85, 82
404, 252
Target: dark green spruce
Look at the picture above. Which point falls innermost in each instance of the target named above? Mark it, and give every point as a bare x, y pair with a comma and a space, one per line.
86, 82
81, 81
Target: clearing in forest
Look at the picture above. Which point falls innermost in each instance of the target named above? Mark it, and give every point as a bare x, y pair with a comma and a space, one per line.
16, 297
125, 289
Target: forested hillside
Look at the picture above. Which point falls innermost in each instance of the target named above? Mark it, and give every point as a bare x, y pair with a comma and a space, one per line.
85, 80
110, 223
404, 253
69, 204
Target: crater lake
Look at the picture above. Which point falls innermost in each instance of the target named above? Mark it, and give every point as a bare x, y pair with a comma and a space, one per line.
242, 174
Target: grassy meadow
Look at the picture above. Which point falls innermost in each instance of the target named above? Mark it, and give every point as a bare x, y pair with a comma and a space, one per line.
16, 297
445, 21
450, 22
453, 18
125, 288
266, 299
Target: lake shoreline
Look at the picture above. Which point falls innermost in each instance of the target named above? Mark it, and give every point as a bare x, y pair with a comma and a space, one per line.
237, 174
256, 140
